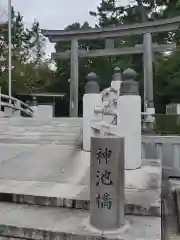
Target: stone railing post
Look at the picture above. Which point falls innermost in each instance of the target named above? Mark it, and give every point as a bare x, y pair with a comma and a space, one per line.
129, 119
111, 96
8, 111
117, 74
34, 107
92, 85
0, 96
17, 113
1, 113
107, 183
116, 83
91, 99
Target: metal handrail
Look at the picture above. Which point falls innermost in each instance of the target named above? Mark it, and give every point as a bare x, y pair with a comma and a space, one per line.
22, 106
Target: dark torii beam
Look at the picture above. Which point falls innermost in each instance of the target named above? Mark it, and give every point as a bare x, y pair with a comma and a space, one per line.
102, 33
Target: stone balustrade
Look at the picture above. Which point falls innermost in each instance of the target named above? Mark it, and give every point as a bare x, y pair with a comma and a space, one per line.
13, 107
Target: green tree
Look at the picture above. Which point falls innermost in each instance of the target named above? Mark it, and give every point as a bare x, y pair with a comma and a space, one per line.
30, 68
20, 39
167, 83
34, 78
37, 44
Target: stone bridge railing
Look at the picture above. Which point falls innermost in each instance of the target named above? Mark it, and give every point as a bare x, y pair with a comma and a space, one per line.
165, 148
10, 106
117, 111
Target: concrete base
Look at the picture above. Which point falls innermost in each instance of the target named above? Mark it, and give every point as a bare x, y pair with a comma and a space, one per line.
115, 232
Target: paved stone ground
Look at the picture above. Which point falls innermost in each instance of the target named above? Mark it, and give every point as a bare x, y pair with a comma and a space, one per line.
41, 159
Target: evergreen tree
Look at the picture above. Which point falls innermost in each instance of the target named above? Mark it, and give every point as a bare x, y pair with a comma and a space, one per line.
29, 70
37, 44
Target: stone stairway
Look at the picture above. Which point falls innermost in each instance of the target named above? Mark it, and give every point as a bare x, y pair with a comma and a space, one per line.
44, 185
63, 131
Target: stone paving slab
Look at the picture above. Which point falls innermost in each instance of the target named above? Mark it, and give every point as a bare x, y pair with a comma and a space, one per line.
46, 163
33, 222
9, 152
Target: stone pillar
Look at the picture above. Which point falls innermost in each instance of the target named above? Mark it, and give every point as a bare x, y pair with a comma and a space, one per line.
117, 79
109, 43
17, 113
148, 70
34, 107
74, 79
111, 95
148, 81
129, 119
1, 112
117, 74
7, 111
107, 183
91, 99
92, 85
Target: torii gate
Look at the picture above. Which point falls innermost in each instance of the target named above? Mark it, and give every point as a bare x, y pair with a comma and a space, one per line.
109, 34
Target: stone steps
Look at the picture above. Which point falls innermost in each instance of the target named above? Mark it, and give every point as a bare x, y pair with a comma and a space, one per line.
44, 185
71, 186
137, 202
40, 131
34, 222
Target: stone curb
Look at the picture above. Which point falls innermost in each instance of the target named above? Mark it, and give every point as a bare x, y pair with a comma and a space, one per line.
38, 234
131, 209
24, 233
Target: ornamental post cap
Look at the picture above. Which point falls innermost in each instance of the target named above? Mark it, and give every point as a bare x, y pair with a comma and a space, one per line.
92, 77
129, 74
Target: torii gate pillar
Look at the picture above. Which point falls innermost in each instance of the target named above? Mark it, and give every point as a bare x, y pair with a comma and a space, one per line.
74, 80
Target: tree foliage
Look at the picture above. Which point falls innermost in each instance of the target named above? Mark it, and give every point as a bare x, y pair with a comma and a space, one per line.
30, 71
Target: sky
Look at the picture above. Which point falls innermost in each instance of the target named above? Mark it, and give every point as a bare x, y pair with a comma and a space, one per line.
54, 14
